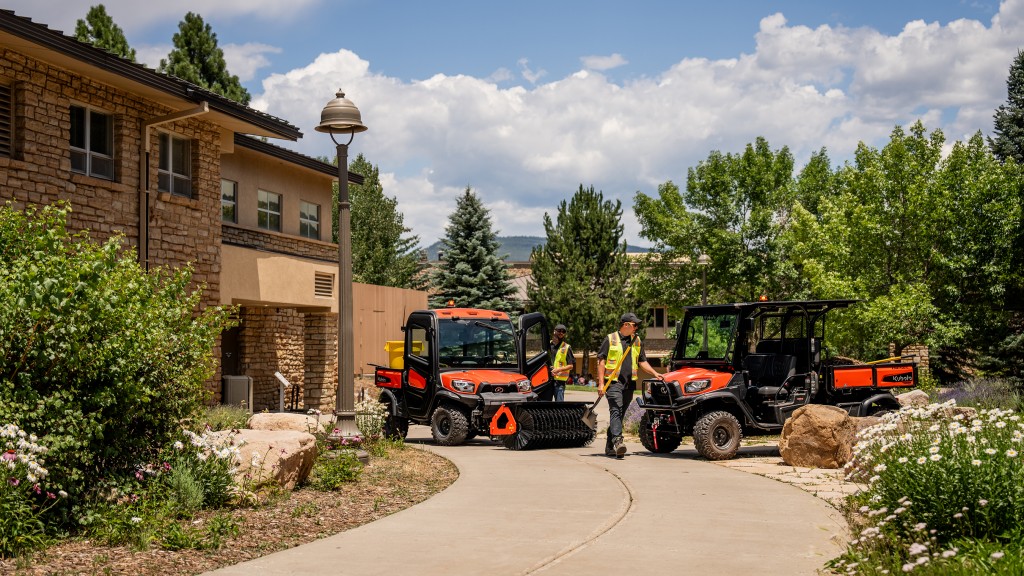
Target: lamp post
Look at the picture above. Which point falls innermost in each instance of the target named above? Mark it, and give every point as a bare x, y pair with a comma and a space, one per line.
704, 261
340, 116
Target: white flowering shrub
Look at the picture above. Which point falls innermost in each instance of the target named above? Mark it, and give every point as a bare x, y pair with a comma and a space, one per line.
370, 417
24, 497
944, 492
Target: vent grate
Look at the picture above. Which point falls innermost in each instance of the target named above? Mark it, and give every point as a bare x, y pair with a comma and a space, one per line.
6, 120
323, 285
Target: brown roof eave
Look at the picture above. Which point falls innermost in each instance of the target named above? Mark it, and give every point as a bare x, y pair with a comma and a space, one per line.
55, 40
294, 157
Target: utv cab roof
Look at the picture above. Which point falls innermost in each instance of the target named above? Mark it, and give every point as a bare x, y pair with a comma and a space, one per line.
747, 308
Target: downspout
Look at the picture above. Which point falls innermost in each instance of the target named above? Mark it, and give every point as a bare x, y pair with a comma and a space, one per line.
203, 108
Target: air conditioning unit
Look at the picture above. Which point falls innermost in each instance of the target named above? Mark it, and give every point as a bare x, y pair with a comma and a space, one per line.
237, 391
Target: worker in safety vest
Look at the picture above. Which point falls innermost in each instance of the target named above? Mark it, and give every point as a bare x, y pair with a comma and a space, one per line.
564, 361
618, 362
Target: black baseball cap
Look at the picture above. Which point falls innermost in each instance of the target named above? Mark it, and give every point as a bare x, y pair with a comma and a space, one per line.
560, 327
629, 317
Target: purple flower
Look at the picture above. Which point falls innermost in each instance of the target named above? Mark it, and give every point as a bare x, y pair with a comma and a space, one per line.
14, 481
50, 495
138, 474
9, 455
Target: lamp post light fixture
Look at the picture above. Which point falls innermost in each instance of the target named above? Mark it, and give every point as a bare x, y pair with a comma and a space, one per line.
340, 116
704, 261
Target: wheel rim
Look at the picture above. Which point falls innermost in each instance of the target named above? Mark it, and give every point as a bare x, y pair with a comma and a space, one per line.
444, 425
721, 437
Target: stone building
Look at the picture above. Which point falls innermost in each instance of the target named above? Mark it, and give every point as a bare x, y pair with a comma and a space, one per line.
187, 176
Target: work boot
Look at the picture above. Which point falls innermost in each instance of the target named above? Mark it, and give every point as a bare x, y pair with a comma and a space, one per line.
620, 448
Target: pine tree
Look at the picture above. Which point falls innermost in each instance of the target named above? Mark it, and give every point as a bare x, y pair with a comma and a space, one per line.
580, 273
1009, 118
382, 254
471, 272
99, 29
196, 58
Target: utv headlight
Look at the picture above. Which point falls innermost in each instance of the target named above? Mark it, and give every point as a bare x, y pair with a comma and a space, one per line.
695, 386
463, 385
523, 385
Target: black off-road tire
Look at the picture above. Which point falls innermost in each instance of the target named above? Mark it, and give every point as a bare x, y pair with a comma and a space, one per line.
449, 426
395, 427
666, 443
717, 435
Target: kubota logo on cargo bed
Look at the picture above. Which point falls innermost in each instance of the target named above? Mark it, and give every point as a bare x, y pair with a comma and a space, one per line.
902, 377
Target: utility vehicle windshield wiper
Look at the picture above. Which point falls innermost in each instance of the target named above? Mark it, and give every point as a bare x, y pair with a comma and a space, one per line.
493, 327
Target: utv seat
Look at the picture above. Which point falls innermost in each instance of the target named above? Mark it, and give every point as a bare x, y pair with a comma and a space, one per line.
769, 372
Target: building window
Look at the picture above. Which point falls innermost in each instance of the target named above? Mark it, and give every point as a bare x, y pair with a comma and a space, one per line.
6, 121
309, 220
268, 215
92, 142
175, 172
659, 317
229, 201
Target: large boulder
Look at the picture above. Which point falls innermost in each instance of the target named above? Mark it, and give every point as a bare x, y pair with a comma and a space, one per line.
915, 398
285, 421
283, 456
818, 436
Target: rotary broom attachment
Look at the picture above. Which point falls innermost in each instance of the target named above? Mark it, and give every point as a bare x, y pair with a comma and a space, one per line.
533, 425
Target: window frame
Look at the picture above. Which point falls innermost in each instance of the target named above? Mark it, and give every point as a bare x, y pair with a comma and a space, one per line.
7, 118
170, 172
233, 203
306, 224
260, 210
90, 156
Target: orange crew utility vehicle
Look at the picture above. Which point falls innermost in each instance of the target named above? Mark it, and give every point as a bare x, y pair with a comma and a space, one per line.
466, 372
752, 365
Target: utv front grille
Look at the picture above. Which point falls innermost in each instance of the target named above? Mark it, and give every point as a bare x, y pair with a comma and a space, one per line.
664, 392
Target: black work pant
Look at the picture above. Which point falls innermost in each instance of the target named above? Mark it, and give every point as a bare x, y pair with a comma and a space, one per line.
619, 396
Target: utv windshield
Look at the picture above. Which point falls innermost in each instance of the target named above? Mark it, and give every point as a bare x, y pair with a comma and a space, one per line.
469, 342
709, 336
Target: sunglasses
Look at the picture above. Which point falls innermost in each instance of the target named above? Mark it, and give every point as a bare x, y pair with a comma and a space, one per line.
633, 324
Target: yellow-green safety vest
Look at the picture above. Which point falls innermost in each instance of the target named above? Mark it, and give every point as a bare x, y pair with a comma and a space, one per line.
615, 351
560, 356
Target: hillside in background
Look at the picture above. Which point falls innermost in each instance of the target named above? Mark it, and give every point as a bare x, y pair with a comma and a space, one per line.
517, 247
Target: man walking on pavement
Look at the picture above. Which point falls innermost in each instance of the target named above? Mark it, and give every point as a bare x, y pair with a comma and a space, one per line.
618, 362
564, 362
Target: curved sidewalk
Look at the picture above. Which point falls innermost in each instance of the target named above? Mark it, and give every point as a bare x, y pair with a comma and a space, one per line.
575, 511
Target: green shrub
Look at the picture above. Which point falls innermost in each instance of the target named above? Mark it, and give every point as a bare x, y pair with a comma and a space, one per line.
99, 358
334, 468
225, 417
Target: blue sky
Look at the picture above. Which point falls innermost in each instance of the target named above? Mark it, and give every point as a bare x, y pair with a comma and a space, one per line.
524, 101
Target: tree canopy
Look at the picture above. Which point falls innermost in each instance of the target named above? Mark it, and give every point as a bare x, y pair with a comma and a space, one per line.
1009, 117
382, 251
471, 272
196, 58
581, 273
99, 29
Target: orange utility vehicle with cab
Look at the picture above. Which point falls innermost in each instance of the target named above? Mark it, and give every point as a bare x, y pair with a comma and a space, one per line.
751, 365
459, 366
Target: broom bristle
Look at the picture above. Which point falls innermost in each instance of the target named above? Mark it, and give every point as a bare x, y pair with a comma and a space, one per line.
549, 425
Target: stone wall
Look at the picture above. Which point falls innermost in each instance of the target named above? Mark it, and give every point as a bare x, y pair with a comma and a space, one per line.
321, 346
279, 243
271, 340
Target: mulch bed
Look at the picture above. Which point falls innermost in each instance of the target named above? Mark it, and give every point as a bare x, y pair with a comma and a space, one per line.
387, 485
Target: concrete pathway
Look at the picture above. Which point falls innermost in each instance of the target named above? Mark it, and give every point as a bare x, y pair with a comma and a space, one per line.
574, 511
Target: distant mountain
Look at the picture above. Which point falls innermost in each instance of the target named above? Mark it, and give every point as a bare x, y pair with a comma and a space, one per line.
518, 248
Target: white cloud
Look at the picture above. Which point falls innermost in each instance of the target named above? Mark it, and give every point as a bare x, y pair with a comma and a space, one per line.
151, 54
603, 62
530, 75
523, 149
244, 60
